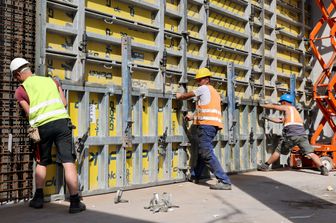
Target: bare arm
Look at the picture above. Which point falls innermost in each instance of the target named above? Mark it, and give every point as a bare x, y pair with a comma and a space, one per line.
60, 90
276, 120
185, 96
276, 107
25, 106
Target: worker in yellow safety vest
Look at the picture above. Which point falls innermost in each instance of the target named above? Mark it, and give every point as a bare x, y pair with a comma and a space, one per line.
293, 134
208, 120
44, 103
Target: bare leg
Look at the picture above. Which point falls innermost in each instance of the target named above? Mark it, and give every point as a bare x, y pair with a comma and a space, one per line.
315, 159
274, 157
40, 175
71, 177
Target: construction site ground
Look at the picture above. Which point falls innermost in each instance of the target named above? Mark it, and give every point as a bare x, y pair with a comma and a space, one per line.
282, 195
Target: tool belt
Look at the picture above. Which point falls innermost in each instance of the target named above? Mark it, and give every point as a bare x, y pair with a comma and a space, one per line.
34, 134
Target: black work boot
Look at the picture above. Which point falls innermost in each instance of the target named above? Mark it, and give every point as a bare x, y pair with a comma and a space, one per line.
37, 201
76, 205
324, 171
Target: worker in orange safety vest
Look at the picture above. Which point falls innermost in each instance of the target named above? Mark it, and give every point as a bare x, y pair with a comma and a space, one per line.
208, 120
293, 134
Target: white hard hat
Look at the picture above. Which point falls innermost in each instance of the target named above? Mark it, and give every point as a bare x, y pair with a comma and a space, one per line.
17, 63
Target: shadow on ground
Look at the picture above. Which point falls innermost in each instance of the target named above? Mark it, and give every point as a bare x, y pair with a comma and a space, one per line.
54, 213
295, 205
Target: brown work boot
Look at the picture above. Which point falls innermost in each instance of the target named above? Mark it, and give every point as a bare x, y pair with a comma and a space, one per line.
76, 205
324, 171
38, 199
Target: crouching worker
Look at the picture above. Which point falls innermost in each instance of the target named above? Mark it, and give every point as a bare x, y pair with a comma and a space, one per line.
293, 134
208, 120
44, 103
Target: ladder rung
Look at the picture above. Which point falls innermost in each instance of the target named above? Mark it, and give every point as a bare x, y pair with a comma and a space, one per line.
322, 85
322, 97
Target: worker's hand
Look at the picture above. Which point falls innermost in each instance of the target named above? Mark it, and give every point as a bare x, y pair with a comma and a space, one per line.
189, 117
178, 96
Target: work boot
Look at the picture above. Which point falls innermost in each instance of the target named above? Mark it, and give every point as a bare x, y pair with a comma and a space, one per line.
192, 179
76, 205
263, 167
37, 201
221, 186
324, 171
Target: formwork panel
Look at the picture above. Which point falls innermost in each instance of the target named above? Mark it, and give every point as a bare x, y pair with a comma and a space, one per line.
173, 5
226, 22
60, 17
59, 67
171, 24
229, 5
172, 43
60, 42
175, 118
113, 115
193, 10
102, 73
104, 50
175, 161
194, 30
112, 166
144, 79
117, 31
94, 113
74, 99
94, 162
122, 10
147, 148
51, 175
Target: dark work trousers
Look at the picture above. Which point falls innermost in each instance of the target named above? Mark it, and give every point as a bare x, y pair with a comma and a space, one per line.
206, 155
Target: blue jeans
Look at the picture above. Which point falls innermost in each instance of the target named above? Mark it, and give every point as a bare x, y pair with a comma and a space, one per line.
206, 155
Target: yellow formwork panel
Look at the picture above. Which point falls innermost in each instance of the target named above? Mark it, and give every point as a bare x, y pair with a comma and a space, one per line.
129, 166
226, 39
240, 75
194, 49
94, 153
268, 94
143, 57
112, 166
193, 10
229, 5
256, 63
117, 31
59, 17
288, 27
104, 51
145, 117
175, 161
113, 114
268, 79
123, 10
175, 118
50, 180
94, 114
255, 2
289, 14
171, 24
172, 43
173, 62
226, 22
285, 82
193, 30
102, 74
287, 41
59, 42
143, 79
161, 159
255, 47
173, 4
226, 56
287, 69
218, 71
146, 162
57, 67
73, 102
240, 91
193, 66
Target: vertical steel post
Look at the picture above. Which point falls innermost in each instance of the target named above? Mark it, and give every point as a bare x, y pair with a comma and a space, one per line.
231, 102
293, 87
126, 69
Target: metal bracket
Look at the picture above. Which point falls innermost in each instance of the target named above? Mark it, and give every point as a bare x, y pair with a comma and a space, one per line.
231, 103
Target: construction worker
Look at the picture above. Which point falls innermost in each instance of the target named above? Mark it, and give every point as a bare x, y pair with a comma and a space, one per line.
293, 134
44, 103
208, 120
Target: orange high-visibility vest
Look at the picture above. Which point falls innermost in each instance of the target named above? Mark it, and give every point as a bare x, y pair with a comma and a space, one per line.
293, 117
210, 114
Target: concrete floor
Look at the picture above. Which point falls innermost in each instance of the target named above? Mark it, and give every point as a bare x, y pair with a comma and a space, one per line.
277, 196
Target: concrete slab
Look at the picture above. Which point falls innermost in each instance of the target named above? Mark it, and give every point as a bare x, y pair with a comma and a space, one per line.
276, 196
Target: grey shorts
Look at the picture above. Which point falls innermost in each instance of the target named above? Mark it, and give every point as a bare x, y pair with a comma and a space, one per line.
287, 143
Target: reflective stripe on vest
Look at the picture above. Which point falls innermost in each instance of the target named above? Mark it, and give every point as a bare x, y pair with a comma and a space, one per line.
45, 101
210, 114
293, 118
